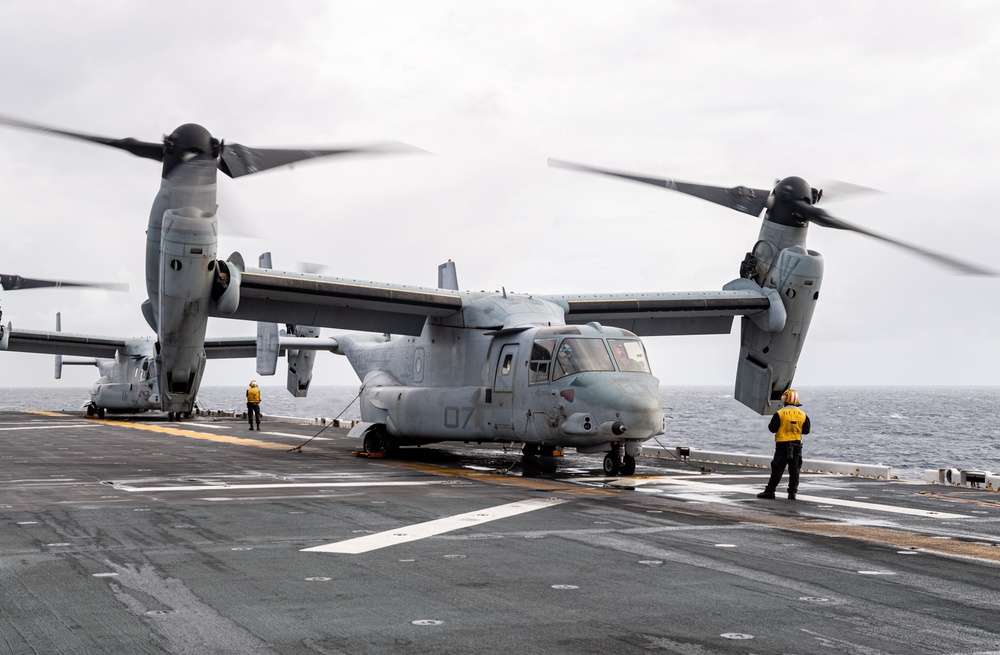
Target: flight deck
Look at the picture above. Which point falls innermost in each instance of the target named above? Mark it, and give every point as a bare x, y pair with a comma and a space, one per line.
148, 536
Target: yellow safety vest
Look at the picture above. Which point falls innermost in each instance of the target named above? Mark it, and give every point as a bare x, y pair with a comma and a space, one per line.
253, 395
792, 419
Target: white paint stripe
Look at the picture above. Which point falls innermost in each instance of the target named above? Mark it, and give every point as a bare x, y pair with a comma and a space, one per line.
877, 507
894, 509
280, 485
432, 528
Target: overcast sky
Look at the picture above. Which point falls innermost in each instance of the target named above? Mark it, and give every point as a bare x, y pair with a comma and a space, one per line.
899, 96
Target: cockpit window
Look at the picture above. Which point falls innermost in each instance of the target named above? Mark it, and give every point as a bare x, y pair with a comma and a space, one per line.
630, 355
578, 355
541, 357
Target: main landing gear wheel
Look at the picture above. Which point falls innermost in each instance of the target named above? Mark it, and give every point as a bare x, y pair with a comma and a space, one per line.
372, 443
93, 410
377, 440
612, 466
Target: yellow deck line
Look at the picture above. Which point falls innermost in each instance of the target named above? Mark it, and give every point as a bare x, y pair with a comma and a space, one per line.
537, 484
239, 441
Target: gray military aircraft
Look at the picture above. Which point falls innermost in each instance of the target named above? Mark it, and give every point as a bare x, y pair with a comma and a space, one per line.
550, 371
185, 279
129, 383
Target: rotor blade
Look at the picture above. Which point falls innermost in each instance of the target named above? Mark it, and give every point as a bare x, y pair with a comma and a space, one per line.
16, 282
138, 148
835, 190
238, 160
742, 199
822, 218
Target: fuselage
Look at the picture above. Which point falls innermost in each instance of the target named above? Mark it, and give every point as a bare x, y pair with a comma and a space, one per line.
545, 383
129, 382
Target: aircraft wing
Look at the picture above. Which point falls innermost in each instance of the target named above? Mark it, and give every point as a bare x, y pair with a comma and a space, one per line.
60, 343
233, 347
667, 313
273, 296
230, 347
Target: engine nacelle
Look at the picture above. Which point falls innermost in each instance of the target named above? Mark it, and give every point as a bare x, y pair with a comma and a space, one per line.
768, 356
187, 268
300, 363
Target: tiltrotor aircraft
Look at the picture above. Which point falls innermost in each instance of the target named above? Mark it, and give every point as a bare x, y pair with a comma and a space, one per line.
185, 279
129, 383
555, 371
547, 371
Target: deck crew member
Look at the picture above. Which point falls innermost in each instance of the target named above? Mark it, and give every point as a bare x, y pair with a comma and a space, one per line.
253, 404
788, 425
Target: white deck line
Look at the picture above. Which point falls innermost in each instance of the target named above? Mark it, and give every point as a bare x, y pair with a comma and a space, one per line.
875, 471
694, 486
432, 528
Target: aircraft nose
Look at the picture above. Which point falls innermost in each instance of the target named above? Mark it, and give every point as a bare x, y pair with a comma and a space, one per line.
637, 404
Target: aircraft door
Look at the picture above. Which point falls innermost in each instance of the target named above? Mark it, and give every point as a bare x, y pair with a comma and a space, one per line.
503, 389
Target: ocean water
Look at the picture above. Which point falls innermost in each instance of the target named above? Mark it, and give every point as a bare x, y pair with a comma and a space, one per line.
908, 428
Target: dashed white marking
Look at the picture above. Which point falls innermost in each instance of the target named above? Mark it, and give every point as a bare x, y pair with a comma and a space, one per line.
435, 527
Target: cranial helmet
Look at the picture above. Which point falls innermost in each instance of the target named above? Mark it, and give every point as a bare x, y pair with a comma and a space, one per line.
253, 383
791, 397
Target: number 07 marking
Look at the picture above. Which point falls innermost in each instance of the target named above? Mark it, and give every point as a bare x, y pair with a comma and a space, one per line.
453, 417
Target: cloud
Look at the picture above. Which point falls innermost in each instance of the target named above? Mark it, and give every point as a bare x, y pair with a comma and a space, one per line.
890, 95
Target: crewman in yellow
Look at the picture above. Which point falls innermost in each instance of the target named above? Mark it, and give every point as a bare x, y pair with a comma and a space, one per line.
788, 425
253, 404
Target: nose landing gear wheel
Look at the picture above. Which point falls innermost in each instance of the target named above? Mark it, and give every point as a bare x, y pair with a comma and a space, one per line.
612, 466
628, 465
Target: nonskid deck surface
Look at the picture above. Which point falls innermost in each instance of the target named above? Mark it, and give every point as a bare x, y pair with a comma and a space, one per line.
202, 536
